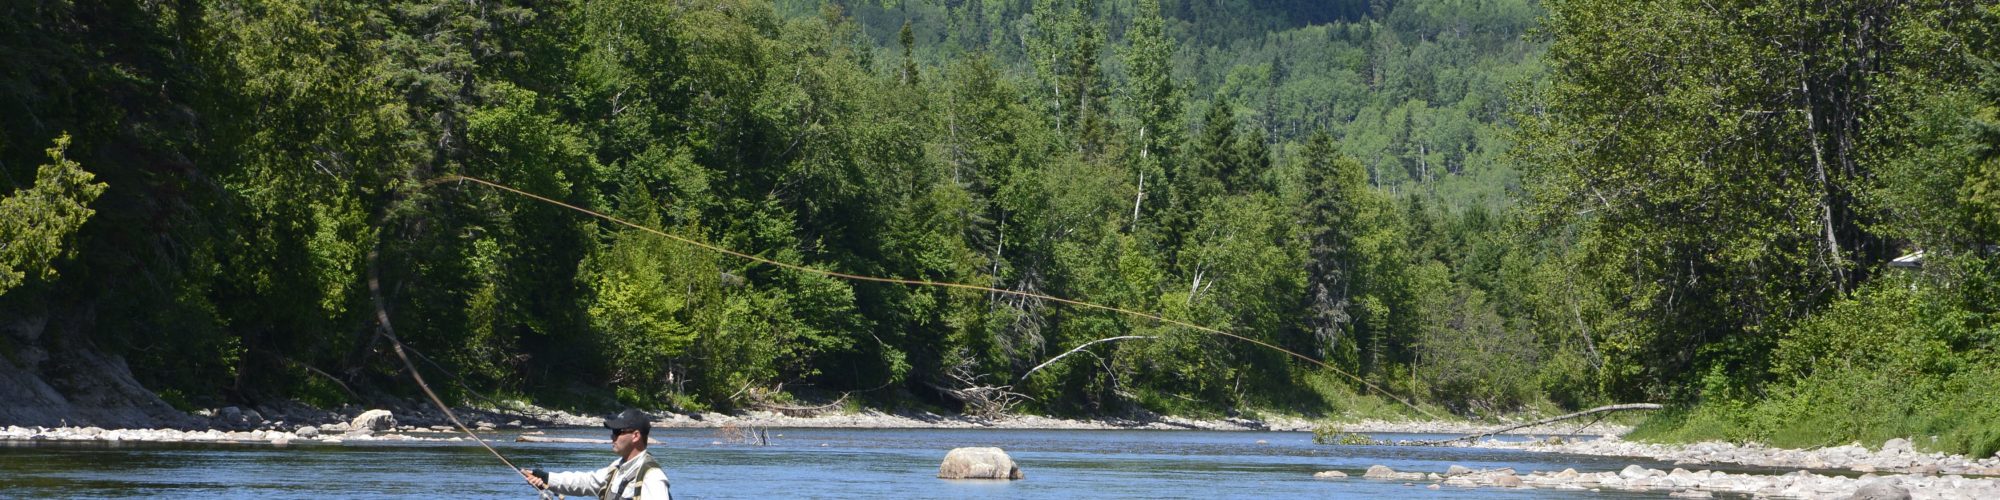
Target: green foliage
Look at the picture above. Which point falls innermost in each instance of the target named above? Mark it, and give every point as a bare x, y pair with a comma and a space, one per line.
36, 221
1980, 190
1473, 362
1340, 179
1894, 360
1723, 186
651, 298
1331, 434
1333, 197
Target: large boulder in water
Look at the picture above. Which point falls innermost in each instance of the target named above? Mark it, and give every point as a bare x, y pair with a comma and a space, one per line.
374, 420
978, 463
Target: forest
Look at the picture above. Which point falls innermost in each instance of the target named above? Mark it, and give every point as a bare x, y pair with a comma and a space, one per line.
1778, 216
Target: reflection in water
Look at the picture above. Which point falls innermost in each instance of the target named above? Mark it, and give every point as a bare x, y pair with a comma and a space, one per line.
799, 463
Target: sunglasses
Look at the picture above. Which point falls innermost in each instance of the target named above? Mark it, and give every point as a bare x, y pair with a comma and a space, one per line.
621, 432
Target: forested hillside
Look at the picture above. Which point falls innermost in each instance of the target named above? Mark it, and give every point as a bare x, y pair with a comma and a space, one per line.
1484, 206
1419, 91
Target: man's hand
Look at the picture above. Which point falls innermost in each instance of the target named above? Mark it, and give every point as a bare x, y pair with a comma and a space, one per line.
535, 479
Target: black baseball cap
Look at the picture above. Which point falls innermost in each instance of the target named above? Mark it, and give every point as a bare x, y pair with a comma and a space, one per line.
628, 419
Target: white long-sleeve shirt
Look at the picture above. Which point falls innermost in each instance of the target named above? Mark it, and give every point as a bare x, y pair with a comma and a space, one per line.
622, 479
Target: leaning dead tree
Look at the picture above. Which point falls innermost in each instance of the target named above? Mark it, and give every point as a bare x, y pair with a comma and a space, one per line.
982, 401
990, 402
1031, 371
1602, 411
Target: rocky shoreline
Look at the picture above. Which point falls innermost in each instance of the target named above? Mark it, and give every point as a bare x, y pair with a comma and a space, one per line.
1682, 483
871, 419
293, 423
416, 416
237, 424
1896, 470
1894, 456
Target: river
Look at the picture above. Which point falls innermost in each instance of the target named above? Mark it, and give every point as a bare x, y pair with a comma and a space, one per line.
796, 463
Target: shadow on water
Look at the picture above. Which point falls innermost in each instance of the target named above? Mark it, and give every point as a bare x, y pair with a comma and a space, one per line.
798, 463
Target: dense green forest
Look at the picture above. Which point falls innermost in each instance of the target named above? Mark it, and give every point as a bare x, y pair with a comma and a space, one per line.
1481, 205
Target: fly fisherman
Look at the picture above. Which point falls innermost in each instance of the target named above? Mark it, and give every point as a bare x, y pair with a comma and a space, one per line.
633, 475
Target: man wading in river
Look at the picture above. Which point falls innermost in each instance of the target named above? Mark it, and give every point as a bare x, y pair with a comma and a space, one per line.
633, 475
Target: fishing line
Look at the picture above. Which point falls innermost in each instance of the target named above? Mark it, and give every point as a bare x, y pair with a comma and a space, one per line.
917, 282
389, 332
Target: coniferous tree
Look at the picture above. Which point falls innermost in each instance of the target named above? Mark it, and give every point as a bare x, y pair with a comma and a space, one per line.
1067, 49
1331, 218
909, 41
1251, 163
1216, 156
36, 221
1153, 103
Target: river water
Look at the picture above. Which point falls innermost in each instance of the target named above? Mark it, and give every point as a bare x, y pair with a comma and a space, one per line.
796, 463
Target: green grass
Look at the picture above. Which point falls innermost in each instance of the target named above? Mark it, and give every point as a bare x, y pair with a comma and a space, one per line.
1344, 404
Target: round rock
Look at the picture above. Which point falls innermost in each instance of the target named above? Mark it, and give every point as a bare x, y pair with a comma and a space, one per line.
374, 420
1881, 490
978, 463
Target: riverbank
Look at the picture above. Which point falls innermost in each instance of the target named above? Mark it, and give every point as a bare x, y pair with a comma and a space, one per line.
296, 422
909, 420
1683, 483
417, 416
1833, 472
332, 427
1894, 456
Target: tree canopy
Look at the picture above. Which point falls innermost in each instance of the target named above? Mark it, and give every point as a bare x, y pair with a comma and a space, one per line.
1484, 206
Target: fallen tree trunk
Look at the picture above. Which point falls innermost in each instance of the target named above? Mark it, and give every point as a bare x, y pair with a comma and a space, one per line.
803, 411
1545, 421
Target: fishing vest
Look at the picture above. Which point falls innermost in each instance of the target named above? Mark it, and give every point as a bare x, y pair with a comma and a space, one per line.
611, 492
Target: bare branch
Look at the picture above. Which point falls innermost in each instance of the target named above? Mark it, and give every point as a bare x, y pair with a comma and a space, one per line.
1031, 371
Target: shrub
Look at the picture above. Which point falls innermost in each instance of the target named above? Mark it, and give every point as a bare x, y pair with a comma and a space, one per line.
1893, 360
